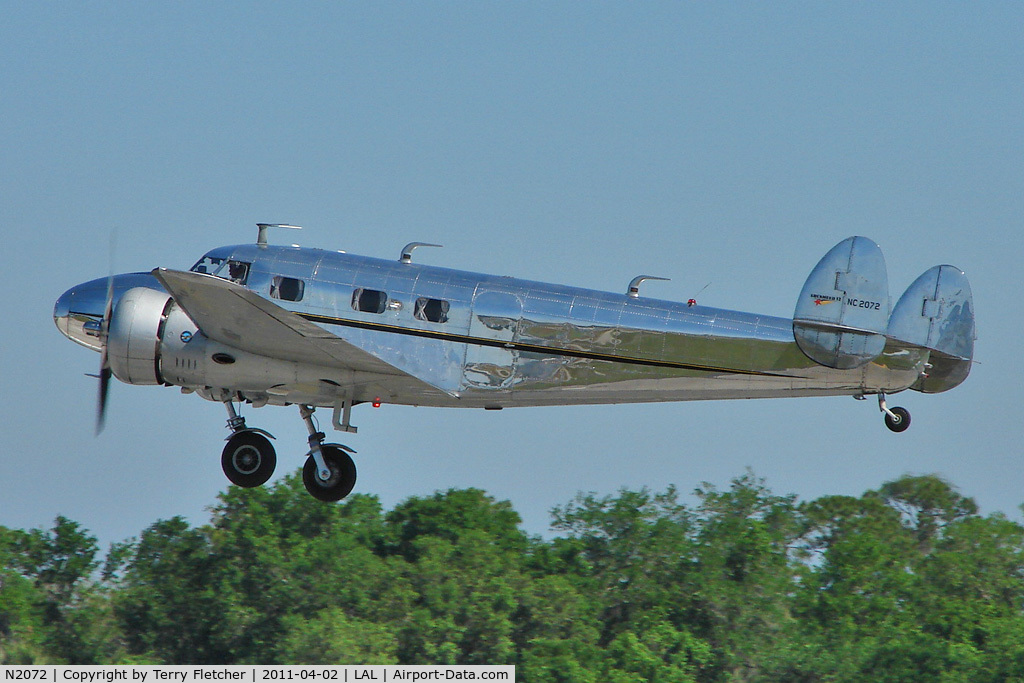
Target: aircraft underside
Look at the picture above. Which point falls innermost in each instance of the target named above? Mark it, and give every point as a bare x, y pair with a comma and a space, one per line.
661, 386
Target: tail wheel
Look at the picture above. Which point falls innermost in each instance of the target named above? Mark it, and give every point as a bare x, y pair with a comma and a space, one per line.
248, 459
342, 479
899, 420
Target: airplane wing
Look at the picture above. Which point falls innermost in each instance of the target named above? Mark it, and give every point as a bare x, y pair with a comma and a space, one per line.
231, 314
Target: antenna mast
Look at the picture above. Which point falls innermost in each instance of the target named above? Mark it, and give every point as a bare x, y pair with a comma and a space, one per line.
261, 239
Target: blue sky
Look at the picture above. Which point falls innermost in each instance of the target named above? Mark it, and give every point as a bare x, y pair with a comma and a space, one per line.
582, 143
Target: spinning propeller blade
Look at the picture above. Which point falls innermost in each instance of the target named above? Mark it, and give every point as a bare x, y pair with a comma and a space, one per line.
102, 404
105, 372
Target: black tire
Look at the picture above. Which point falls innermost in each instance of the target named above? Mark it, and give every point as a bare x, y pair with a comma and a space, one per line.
248, 459
343, 475
901, 422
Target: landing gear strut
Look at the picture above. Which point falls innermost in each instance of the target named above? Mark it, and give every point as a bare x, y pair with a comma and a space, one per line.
896, 419
329, 473
248, 459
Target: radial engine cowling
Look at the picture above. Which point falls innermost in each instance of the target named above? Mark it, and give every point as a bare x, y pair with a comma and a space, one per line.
133, 338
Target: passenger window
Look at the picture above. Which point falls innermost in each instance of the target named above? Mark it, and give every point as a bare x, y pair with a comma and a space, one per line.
369, 300
287, 288
431, 310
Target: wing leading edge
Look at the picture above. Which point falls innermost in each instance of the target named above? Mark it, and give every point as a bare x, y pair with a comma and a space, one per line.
231, 314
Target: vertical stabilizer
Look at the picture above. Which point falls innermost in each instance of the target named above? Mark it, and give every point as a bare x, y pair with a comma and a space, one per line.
843, 310
937, 313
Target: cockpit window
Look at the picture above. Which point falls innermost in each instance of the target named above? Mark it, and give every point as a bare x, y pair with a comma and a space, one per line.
228, 269
211, 265
238, 271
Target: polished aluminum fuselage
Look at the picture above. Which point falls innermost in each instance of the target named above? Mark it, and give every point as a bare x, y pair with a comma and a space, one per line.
508, 342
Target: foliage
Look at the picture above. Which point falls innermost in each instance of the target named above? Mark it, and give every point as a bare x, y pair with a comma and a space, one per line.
905, 583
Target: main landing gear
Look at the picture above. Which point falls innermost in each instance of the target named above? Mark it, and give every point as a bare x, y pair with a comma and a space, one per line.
249, 458
329, 473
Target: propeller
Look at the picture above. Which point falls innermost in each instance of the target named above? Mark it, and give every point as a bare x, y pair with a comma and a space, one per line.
105, 371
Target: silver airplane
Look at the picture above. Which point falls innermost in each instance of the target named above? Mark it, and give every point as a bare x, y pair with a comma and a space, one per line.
264, 324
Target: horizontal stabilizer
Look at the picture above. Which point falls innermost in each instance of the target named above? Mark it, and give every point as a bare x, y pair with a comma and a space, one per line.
937, 312
843, 310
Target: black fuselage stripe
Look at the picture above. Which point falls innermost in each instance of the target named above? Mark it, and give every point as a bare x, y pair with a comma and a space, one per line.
519, 346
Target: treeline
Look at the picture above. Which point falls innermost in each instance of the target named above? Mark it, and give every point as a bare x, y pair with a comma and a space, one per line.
906, 583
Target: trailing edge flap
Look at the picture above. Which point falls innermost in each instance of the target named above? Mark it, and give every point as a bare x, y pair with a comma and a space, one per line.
843, 310
937, 312
231, 314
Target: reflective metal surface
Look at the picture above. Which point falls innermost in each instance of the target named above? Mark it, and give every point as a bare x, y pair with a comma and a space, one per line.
78, 311
134, 337
508, 342
843, 310
492, 362
937, 312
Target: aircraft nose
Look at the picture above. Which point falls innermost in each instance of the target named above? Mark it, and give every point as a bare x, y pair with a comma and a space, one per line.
79, 311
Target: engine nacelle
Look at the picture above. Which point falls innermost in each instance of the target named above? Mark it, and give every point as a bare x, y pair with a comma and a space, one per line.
133, 338
152, 340
149, 341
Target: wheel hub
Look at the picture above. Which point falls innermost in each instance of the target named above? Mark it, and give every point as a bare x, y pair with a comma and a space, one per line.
246, 459
331, 479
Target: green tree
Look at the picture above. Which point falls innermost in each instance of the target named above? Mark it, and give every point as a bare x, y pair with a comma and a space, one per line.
272, 559
746, 573
635, 556
21, 606
659, 654
461, 554
51, 608
904, 583
285, 558
556, 629
910, 584
332, 637
167, 600
452, 515
637, 547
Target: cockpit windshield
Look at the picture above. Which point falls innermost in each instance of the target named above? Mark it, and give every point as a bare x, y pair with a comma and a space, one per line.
228, 269
211, 265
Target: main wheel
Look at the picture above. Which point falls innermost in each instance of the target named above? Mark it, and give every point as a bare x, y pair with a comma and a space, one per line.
900, 422
341, 481
248, 459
